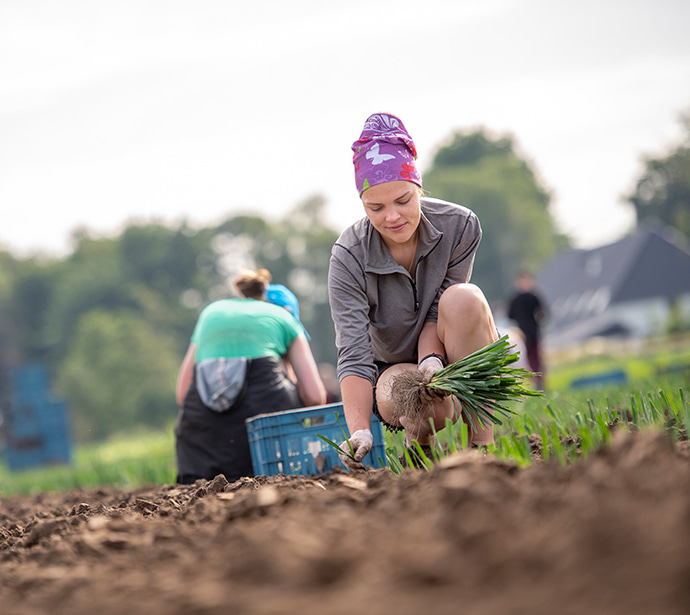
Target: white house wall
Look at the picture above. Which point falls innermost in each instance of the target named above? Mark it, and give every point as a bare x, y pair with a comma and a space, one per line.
643, 318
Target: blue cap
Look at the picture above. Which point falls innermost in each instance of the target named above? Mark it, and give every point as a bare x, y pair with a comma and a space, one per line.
284, 297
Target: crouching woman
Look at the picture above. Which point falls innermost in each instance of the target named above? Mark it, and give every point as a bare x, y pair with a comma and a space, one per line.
399, 291
231, 372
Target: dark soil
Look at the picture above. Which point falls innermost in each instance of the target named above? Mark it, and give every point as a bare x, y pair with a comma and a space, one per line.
608, 535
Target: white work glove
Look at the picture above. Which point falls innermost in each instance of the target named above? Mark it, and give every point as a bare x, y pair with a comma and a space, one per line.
429, 367
361, 442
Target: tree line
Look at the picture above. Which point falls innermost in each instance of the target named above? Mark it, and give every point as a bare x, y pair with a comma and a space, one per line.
112, 320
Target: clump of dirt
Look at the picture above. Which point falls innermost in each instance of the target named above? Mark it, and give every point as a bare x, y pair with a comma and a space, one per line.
606, 535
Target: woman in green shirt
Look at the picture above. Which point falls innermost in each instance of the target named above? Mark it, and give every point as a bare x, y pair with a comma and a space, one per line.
231, 372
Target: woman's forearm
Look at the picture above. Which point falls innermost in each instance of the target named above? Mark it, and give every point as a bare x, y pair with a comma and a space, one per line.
184, 377
309, 382
357, 395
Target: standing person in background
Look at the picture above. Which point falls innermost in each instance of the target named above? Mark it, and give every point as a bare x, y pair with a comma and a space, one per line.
528, 312
399, 290
231, 372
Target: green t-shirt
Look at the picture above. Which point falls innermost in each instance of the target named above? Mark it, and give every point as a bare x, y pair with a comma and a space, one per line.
244, 328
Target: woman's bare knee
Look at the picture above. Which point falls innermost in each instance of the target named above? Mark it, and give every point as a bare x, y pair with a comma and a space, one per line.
465, 322
463, 299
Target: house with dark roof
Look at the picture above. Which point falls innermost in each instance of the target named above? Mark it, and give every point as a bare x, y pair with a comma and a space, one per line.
625, 289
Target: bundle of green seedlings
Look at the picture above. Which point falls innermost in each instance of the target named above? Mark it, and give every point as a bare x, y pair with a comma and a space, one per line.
482, 383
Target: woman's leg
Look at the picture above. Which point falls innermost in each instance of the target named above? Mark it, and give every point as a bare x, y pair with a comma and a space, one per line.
465, 324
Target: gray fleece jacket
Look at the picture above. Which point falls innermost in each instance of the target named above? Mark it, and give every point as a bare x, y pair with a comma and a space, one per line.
377, 307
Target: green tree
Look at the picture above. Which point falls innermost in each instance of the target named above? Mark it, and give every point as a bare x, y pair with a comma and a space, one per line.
9, 332
90, 278
159, 266
161, 258
487, 175
33, 285
663, 190
119, 372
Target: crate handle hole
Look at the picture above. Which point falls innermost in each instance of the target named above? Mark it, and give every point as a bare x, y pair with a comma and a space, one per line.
312, 421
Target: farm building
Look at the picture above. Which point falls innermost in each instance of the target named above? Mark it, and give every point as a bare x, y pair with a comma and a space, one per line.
633, 288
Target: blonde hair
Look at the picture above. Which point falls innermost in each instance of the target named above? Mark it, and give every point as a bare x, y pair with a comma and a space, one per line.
252, 284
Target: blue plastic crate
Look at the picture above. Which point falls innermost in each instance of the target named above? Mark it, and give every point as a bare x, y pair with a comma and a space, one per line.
608, 378
287, 442
24, 457
57, 450
37, 425
29, 379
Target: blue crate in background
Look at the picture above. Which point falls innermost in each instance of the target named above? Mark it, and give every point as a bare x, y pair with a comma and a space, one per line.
287, 442
608, 378
25, 456
30, 378
37, 425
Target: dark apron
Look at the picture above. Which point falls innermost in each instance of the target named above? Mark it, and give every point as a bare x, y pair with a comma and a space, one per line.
209, 443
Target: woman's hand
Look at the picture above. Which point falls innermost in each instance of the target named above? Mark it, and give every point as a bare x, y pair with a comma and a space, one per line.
429, 366
358, 445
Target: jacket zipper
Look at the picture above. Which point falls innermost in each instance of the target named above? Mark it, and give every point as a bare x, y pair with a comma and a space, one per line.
414, 286
414, 294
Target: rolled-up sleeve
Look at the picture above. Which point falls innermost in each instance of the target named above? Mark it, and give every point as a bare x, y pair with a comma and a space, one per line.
350, 313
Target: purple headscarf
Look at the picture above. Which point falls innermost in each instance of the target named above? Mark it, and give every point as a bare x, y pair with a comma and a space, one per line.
384, 152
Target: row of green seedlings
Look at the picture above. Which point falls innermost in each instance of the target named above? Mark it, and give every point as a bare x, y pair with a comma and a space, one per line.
91, 471
564, 437
574, 436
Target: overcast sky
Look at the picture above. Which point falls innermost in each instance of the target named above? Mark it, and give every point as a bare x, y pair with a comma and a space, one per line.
169, 110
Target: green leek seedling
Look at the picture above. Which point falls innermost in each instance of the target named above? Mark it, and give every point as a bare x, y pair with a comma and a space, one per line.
482, 382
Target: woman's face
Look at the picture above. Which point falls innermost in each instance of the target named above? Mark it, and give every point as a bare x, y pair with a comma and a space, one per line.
394, 210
